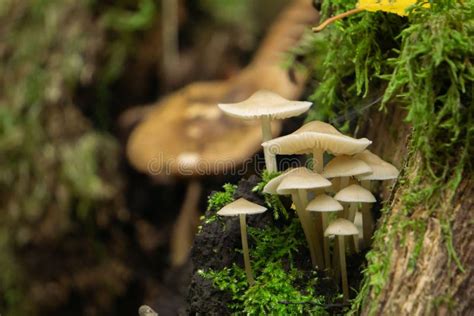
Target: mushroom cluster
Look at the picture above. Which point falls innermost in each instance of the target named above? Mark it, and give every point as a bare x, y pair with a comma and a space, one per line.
330, 199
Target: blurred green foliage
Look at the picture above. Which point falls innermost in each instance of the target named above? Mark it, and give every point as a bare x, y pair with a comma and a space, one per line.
54, 167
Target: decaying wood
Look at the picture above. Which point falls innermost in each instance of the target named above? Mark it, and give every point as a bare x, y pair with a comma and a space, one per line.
436, 285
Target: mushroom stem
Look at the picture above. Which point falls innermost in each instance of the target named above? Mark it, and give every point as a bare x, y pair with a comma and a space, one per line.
317, 160
367, 218
327, 258
343, 182
305, 223
342, 264
270, 158
353, 244
245, 249
185, 225
303, 195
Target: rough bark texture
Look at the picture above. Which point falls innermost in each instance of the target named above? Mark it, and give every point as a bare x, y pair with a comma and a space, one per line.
434, 284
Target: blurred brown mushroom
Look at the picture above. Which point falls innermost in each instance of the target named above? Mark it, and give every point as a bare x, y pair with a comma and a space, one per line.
185, 135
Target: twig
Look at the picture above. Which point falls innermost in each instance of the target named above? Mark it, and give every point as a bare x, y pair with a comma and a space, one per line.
323, 25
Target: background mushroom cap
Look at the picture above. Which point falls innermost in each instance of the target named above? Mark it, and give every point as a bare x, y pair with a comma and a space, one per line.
324, 203
302, 178
355, 193
241, 206
345, 166
381, 170
187, 135
316, 135
265, 103
341, 227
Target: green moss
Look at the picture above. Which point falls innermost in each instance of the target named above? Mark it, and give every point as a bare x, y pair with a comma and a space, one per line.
277, 290
218, 200
423, 63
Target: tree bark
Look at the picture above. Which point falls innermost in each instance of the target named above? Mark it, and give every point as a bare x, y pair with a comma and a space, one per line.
423, 277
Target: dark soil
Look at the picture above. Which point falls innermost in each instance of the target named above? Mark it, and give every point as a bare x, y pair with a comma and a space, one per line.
214, 248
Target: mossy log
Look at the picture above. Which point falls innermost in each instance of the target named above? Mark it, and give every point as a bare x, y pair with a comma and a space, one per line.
421, 262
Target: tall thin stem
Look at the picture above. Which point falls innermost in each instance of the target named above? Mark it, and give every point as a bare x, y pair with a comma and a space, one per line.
342, 264
270, 158
367, 218
318, 160
327, 258
353, 241
343, 182
245, 249
304, 219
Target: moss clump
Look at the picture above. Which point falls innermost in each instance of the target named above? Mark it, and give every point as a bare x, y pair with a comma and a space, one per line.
281, 287
423, 63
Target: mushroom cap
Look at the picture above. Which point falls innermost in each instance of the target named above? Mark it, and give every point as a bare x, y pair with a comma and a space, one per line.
345, 166
265, 103
272, 185
313, 135
302, 178
355, 193
186, 134
324, 203
381, 170
341, 227
241, 206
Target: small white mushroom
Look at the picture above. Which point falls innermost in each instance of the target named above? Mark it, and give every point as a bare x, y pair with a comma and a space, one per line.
342, 227
344, 167
353, 195
242, 207
295, 183
266, 106
381, 170
324, 203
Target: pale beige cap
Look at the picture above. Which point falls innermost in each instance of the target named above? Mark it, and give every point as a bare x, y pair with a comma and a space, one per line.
324, 203
355, 193
341, 227
345, 166
381, 170
316, 135
272, 185
241, 206
265, 103
302, 178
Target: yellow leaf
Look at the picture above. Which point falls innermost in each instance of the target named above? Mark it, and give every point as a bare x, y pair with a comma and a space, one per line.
394, 6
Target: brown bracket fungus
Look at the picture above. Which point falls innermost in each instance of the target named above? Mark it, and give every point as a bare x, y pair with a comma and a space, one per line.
242, 207
381, 170
355, 194
315, 138
340, 228
265, 106
323, 203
